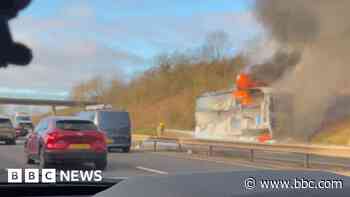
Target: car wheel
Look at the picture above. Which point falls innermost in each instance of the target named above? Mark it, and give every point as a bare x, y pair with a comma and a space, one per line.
101, 164
13, 141
126, 149
43, 161
30, 160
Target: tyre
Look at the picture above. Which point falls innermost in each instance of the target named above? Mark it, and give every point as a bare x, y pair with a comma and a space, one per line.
126, 149
43, 162
101, 164
30, 160
12, 141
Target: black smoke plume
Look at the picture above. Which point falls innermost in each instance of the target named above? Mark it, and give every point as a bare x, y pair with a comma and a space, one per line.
319, 32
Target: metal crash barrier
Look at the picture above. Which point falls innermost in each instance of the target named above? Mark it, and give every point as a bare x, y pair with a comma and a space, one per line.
306, 150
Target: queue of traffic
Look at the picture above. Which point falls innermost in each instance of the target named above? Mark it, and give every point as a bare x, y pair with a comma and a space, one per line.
86, 137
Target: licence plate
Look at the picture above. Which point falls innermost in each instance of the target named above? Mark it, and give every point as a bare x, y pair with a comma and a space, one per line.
109, 141
79, 146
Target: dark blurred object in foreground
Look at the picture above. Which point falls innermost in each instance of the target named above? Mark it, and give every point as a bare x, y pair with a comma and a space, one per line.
12, 52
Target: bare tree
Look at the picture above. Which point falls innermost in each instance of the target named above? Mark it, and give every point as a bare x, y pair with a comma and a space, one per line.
216, 46
90, 90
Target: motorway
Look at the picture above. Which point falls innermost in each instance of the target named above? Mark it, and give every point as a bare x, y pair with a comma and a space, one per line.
145, 162
135, 163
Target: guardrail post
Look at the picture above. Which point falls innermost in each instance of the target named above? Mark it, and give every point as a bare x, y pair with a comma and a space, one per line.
155, 146
307, 161
251, 155
179, 147
210, 153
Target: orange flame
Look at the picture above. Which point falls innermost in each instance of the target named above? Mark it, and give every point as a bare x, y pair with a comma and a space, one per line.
243, 97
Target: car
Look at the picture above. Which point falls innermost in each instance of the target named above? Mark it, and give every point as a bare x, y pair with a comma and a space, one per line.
21, 132
7, 131
66, 139
22, 129
23, 124
116, 125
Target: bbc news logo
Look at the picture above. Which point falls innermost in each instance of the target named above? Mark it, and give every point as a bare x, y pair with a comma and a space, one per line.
18, 175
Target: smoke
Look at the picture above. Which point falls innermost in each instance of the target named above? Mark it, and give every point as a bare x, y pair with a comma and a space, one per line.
275, 68
312, 61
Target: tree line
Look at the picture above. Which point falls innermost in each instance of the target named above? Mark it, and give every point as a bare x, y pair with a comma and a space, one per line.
167, 91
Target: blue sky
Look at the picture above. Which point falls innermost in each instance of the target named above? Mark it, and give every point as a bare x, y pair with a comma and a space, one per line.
76, 40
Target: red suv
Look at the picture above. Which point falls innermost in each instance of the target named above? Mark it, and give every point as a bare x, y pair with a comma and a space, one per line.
63, 139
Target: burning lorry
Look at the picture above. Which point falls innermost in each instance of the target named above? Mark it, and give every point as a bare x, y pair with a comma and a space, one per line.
251, 111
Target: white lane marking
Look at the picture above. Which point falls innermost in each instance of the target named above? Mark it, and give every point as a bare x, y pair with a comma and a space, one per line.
151, 170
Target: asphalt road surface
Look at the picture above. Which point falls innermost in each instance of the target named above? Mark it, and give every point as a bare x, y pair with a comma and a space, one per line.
144, 163
135, 163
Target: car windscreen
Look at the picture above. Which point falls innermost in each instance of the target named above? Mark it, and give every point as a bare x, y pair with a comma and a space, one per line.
25, 125
5, 123
113, 120
76, 125
23, 118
